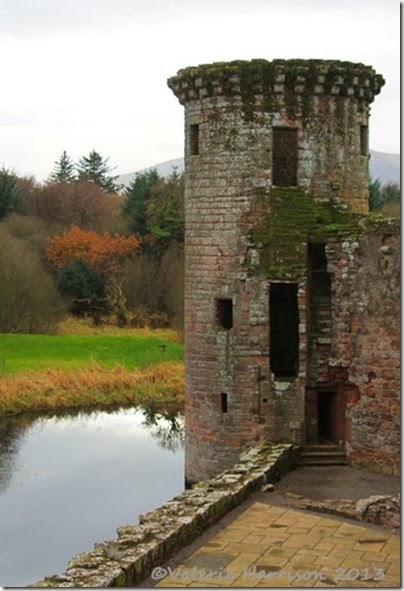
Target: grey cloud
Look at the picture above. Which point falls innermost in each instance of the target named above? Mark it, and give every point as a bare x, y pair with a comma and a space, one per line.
19, 17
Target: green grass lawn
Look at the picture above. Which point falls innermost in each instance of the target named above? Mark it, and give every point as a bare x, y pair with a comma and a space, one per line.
22, 352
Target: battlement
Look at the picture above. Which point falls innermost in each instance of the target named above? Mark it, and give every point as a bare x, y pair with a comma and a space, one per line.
261, 77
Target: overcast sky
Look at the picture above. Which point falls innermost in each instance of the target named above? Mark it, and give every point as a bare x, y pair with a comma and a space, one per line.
79, 75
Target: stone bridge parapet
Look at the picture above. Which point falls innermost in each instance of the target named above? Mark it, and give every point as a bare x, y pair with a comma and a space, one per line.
129, 559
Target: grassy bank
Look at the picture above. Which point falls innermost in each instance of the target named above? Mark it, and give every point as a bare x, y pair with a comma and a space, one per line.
92, 367
25, 352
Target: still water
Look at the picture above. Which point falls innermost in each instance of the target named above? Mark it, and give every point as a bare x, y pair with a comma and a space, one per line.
70, 480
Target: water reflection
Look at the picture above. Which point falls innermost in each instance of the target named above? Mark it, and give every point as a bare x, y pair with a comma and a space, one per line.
166, 424
165, 421
11, 436
69, 479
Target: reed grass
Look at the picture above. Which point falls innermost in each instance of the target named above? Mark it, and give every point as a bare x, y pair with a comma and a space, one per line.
54, 389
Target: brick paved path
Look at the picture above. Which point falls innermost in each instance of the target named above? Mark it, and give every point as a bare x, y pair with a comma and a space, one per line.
275, 546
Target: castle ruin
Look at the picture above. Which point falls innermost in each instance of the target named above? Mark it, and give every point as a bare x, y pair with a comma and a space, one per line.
292, 305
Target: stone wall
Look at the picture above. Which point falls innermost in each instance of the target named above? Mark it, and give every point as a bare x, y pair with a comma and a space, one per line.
360, 359
367, 343
129, 559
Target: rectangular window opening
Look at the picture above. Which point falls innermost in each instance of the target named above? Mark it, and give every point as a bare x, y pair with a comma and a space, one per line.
223, 402
224, 313
364, 140
194, 139
284, 157
284, 329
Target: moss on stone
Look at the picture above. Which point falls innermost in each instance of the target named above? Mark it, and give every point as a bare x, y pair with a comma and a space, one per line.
294, 219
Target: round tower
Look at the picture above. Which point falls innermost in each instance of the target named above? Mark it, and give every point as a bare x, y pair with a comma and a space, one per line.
259, 135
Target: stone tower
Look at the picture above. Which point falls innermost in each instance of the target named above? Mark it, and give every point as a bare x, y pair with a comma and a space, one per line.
276, 168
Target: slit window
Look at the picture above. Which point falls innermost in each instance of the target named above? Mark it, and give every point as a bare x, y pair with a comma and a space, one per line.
364, 140
224, 313
194, 139
284, 329
284, 157
223, 402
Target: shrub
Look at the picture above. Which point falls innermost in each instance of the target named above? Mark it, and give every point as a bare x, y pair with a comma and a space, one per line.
154, 289
29, 300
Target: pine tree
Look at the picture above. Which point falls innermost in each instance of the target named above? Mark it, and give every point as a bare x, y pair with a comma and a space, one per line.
97, 170
374, 194
165, 213
10, 194
137, 195
63, 170
86, 289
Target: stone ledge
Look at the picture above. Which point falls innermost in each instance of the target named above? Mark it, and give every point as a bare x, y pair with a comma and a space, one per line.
130, 558
383, 510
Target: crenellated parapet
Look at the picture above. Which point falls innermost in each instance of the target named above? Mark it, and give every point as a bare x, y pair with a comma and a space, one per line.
255, 78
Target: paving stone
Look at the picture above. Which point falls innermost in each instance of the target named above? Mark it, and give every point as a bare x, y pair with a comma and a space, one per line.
209, 560
301, 560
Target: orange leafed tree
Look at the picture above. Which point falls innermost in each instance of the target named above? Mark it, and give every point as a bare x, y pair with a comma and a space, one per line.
101, 251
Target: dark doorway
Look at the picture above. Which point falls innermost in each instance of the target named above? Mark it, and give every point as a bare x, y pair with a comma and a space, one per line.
324, 414
330, 417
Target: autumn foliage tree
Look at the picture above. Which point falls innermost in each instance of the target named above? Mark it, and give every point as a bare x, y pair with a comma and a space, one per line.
102, 254
63, 203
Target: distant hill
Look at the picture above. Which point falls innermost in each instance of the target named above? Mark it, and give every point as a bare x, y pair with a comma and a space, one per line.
163, 168
383, 166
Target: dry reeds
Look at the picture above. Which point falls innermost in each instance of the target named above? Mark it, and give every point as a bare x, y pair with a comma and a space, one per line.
94, 386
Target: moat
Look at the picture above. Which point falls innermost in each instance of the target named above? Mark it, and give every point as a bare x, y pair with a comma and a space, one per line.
68, 481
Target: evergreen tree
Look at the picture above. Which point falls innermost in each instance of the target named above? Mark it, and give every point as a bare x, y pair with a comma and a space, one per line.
137, 195
86, 289
63, 170
390, 193
165, 213
381, 195
10, 194
97, 170
374, 194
